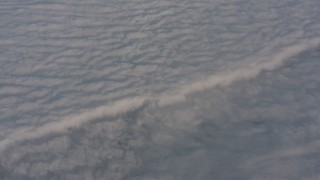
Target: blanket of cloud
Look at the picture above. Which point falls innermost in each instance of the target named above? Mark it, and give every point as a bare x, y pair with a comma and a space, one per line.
157, 89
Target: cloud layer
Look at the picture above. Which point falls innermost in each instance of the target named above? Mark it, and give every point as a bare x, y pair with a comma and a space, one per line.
159, 89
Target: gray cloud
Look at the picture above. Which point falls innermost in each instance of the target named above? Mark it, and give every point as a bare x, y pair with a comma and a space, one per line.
159, 89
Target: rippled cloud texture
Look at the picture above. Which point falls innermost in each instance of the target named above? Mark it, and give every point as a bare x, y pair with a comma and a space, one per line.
137, 90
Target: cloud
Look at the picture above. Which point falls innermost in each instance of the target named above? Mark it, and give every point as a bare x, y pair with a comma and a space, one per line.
126, 105
240, 128
158, 89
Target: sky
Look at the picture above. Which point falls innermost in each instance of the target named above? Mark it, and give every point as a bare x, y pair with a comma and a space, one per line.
156, 89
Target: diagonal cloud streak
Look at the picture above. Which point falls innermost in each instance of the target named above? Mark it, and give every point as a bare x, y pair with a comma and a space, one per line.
128, 105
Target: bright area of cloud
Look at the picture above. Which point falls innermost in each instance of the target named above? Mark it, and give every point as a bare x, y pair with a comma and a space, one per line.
159, 90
